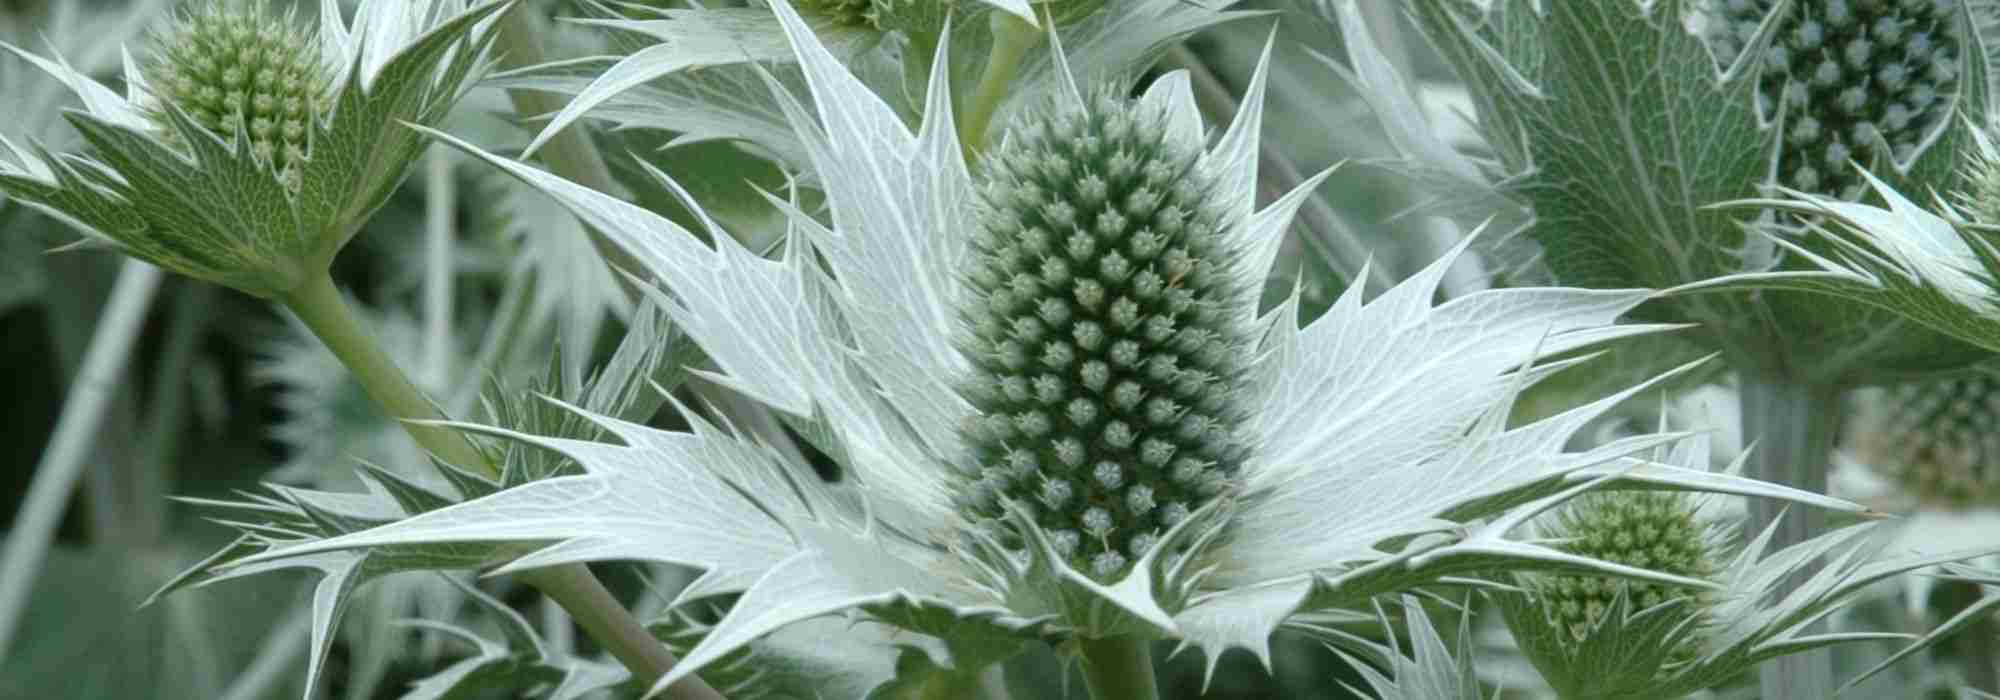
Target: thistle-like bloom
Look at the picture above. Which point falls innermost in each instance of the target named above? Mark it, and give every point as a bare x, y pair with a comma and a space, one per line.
246, 152
1614, 127
1938, 440
1857, 81
1595, 638
1060, 413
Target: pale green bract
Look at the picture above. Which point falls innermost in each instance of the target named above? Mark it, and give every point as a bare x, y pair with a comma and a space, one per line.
211, 210
1380, 459
1931, 265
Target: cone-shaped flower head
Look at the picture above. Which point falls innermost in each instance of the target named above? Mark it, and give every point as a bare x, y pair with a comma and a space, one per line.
236, 71
1059, 410
1102, 328
1855, 77
248, 152
1939, 440
1649, 530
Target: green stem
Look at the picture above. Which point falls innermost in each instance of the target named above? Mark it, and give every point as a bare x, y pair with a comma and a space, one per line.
319, 305
76, 433
1792, 423
1012, 37
607, 621
1119, 668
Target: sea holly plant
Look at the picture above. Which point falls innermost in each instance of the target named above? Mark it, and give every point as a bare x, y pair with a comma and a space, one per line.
1059, 414
1591, 636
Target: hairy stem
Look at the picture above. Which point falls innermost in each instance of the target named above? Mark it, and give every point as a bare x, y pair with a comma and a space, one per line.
1792, 424
440, 209
1012, 37
1118, 668
319, 305
608, 622
76, 431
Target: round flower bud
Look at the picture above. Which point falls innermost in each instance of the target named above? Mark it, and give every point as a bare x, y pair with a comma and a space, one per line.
1851, 64
239, 73
1648, 530
1138, 359
1940, 440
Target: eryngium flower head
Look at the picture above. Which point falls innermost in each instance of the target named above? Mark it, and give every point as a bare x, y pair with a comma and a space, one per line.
247, 153
239, 73
1863, 81
1365, 452
1939, 440
1649, 530
1108, 357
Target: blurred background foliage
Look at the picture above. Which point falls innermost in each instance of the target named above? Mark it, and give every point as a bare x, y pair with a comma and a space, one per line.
222, 392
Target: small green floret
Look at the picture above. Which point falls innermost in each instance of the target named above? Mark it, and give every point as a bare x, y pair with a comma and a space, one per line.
234, 70
1649, 530
1100, 319
1858, 80
1939, 440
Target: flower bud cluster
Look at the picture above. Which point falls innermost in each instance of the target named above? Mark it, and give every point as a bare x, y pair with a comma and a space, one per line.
234, 70
1649, 530
1101, 322
1940, 440
1858, 80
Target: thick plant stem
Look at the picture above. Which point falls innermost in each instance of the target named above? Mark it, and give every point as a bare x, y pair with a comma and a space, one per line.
1119, 668
1792, 424
319, 305
612, 626
1012, 37
96, 385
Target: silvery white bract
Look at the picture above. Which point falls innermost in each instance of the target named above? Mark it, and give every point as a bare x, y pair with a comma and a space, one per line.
1432, 671
1762, 609
162, 187
1380, 459
655, 88
1931, 264
1614, 125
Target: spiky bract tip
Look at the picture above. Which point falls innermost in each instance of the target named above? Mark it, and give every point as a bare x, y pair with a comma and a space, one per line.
1101, 321
1858, 80
1939, 440
230, 67
1649, 530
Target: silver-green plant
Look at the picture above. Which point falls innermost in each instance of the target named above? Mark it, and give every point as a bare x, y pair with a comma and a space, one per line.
1060, 415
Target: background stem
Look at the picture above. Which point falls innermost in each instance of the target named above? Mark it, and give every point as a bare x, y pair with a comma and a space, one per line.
1119, 668
62, 462
1012, 37
1792, 424
607, 621
1326, 233
319, 305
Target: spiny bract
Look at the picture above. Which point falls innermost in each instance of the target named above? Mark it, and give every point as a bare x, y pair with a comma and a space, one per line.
231, 68
1107, 358
1939, 440
1649, 530
1855, 77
